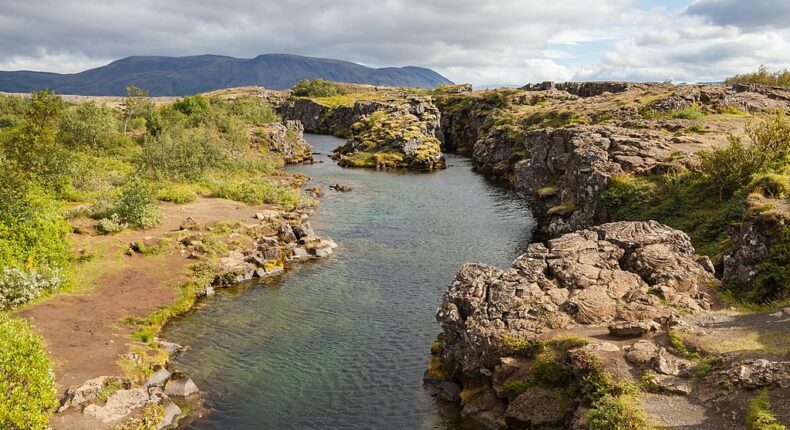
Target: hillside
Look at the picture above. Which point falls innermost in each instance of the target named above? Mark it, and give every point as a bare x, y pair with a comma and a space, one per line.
176, 76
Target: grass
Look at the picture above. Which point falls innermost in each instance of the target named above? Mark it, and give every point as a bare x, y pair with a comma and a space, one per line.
564, 209
108, 389
760, 416
676, 340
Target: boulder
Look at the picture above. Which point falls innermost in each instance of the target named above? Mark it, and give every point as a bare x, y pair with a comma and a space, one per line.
538, 407
180, 385
158, 379
632, 329
119, 405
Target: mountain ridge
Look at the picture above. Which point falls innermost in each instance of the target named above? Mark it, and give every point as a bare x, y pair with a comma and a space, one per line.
178, 76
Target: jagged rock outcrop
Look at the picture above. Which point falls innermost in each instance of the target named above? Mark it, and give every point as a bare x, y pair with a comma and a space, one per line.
494, 322
568, 168
397, 131
623, 271
286, 139
397, 135
581, 89
763, 236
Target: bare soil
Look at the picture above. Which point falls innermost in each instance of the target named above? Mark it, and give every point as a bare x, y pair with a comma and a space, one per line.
83, 331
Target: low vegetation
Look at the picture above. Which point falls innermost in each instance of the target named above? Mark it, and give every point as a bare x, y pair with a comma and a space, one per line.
317, 88
707, 200
27, 381
760, 416
762, 76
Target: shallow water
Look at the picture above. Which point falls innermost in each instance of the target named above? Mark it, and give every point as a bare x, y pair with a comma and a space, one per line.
342, 343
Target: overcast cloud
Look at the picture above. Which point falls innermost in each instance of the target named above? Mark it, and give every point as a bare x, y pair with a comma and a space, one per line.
483, 42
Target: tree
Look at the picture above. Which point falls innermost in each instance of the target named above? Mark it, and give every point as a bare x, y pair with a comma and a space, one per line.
135, 103
32, 146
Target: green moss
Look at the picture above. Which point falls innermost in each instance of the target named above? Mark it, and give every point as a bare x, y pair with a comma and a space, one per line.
760, 416
549, 191
515, 388
108, 389
617, 413
521, 346
706, 365
177, 193
676, 340
552, 119
149, 419
564, 209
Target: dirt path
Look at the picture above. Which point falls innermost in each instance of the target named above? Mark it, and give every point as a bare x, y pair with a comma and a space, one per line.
82, 330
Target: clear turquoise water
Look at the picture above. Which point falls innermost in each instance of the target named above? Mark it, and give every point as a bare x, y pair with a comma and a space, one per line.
342, 343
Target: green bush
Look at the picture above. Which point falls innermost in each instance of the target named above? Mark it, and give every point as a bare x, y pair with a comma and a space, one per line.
317, 88
32, 146
18, 286
183, 154
762, 76
136, 205
772, 185
732, 167
616, 413
250, 110
191, 105
90, 126
32, 231
111, 225
27, 382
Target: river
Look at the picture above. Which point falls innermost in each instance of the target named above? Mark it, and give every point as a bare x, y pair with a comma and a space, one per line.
342, 343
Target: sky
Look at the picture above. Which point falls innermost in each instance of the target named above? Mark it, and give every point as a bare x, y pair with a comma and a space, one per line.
476, 41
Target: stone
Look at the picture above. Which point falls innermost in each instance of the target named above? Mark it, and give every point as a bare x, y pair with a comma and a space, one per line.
672, 384
267, 215
171, 413
171, 347
209, 291
119, 405
538, 407
180, 385
322, 251
632, 329
300, 253
340, 188
641, 353
87, 391
158, 378
188, 224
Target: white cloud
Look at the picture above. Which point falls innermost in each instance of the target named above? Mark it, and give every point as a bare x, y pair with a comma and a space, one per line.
483, 42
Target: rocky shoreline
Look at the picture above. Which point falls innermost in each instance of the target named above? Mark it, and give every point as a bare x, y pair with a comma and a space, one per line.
267, 246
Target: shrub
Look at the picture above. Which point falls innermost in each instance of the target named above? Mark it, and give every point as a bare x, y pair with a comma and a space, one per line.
762, 76
732, 167
192, 105
18, 286
110, 225
27, 382
32, 146
183, 154
251, 110
772, 185
317, 88
89, 126
32, 231
136, 205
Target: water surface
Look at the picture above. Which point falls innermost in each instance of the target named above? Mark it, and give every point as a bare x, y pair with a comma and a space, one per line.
342, 343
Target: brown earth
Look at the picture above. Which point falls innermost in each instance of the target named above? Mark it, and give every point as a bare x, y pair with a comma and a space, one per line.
83, 329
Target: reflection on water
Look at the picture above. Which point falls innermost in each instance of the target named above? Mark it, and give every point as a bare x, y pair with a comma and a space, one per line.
342, 343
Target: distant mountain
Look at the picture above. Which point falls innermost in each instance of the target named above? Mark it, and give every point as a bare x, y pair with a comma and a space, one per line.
178, 76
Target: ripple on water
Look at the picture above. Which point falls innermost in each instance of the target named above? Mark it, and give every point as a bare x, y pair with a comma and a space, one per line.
343, 343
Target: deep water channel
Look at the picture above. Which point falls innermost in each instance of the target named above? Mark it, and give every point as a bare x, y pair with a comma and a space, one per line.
342, 343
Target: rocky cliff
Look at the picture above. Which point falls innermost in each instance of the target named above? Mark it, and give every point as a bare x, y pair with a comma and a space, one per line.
286, 139
385, 130
595, 330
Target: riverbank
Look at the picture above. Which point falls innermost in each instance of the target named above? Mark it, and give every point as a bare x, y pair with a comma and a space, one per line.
109, 328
